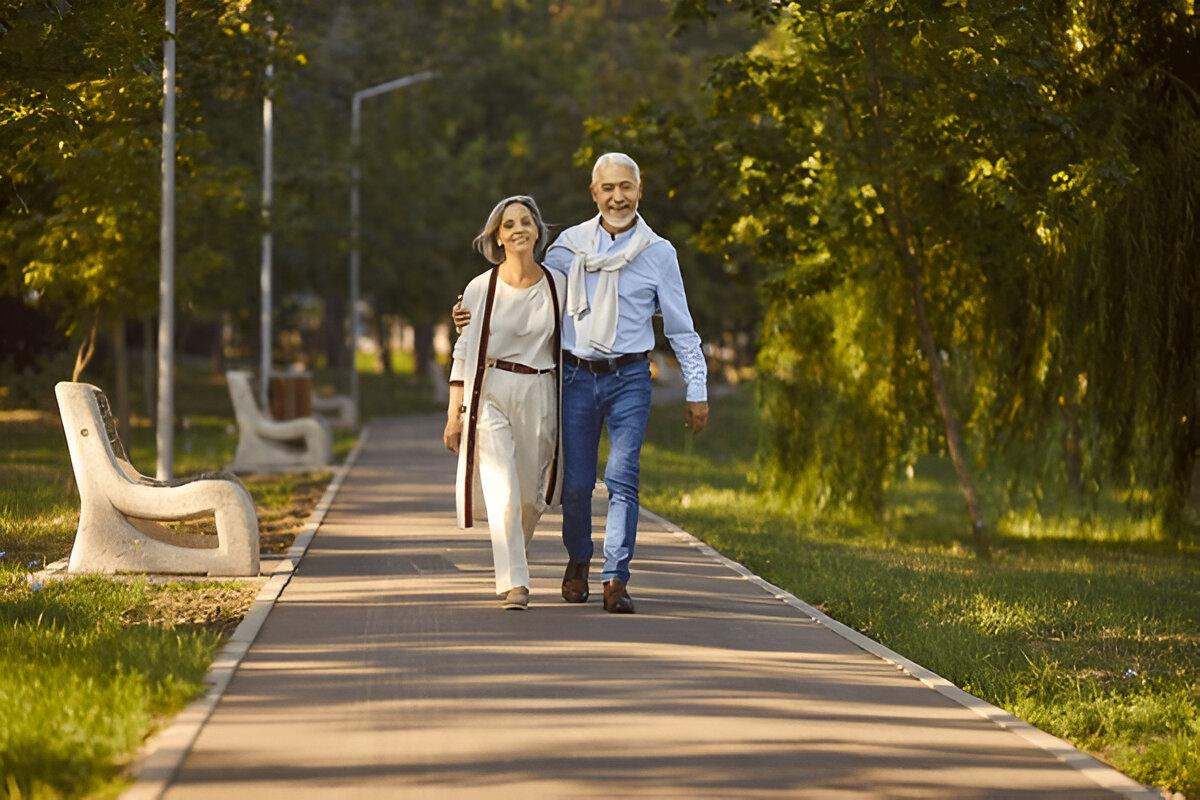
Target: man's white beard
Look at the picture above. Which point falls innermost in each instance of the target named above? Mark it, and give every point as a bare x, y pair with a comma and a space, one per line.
623, 221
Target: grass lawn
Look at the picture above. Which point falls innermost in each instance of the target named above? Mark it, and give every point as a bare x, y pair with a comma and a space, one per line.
91, 665
1088, 628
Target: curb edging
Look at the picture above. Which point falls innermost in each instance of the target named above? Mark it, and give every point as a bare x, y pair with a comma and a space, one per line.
163, 753
1100, 773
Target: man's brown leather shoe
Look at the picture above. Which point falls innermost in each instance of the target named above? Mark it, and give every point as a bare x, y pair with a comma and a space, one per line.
575, 582
616, 599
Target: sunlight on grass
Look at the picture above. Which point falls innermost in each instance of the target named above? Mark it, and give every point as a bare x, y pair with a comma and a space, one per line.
1087, 625
85, 679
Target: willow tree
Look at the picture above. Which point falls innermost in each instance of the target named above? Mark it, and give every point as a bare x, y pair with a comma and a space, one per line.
864, 144
1121, 220
977, 217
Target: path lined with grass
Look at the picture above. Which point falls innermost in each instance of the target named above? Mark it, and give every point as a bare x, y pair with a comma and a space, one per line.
387, 668
89, 666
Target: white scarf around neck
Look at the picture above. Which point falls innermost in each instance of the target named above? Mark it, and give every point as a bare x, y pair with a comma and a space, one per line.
596, 322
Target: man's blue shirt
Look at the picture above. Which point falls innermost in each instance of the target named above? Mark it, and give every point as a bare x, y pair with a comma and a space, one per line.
651, 282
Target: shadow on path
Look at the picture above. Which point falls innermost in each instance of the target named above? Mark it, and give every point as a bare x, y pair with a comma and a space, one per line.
388, 669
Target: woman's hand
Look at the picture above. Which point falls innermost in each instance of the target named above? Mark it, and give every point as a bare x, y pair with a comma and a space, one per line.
453, 434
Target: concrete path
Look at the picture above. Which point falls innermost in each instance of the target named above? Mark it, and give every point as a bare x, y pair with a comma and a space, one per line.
388, 669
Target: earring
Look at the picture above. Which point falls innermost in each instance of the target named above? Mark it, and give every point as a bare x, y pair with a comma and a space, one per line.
499, 243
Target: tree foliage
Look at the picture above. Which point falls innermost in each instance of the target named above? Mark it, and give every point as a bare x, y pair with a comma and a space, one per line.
998, 171
80, 136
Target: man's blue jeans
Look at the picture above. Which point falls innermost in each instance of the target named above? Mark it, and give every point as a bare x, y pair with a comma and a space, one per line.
620, 401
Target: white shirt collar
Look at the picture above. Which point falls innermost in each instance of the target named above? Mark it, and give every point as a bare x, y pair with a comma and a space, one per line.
602, 241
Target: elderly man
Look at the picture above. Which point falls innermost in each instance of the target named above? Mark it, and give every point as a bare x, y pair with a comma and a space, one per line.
619, 273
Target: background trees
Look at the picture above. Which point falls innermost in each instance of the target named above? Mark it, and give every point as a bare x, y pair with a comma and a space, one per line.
970, 239
946, 227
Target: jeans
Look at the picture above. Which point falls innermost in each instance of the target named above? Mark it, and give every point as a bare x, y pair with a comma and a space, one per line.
619, 400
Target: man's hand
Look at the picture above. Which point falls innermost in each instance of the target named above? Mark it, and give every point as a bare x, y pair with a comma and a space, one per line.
695, 417
462, 316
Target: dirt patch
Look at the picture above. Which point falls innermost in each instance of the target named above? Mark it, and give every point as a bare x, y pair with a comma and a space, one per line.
277, 527
218, 608
278, 524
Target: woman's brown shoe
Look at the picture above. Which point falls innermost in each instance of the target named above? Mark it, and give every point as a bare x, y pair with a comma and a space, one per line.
616, 599
575, 582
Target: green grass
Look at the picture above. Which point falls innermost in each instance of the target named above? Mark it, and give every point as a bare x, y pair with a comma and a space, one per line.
88, 666
1086, 626
402, 362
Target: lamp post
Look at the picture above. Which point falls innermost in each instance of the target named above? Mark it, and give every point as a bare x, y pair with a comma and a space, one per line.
265, 269
164, 435
355, 208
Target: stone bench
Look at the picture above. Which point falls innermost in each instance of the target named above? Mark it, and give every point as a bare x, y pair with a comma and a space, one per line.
338, 410
269, 445
120, 509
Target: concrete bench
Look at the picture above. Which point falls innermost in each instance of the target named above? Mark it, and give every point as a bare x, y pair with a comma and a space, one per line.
268, 445
120, 509
338, 410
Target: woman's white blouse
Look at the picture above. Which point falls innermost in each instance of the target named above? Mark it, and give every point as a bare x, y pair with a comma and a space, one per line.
522, 327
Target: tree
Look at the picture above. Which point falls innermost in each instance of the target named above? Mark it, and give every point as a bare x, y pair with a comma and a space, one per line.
917, 177
80, 133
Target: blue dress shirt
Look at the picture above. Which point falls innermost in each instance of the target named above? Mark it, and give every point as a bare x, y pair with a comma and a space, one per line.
651, 282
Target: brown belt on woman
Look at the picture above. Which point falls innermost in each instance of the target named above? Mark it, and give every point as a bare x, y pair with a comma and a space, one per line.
513, 366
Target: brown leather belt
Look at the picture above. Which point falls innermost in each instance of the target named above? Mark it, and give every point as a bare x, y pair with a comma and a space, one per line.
602, 366
513, 366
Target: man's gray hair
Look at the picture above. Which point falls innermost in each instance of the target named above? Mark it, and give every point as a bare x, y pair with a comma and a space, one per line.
619, 159
485, 243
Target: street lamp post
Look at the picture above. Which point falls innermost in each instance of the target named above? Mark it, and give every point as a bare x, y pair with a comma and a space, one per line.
355, 209
265, 269
164, 435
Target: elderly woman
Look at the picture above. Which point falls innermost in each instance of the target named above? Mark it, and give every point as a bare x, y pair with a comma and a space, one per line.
505, 391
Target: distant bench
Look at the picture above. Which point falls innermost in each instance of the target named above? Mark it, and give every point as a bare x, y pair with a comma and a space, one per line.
270, 445
338, 409
120, 509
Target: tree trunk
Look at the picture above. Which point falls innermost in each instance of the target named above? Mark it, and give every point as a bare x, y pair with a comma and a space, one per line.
87, 349
333, 332
148, 362
901, 238
121, 377
899, 231
1179, 486
385, 344
954, 441
1073, 451
422, 347
224, 333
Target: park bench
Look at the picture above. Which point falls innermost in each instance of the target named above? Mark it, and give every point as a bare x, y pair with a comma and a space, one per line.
269, 445
120, 509
338, 409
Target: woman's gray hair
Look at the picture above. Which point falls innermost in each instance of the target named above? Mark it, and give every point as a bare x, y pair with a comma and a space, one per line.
621, 160
485, 243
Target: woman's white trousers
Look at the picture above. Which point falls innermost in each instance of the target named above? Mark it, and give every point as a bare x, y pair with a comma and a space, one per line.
515, 437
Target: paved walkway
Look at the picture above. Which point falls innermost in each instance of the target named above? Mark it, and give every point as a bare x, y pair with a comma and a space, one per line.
387, 669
